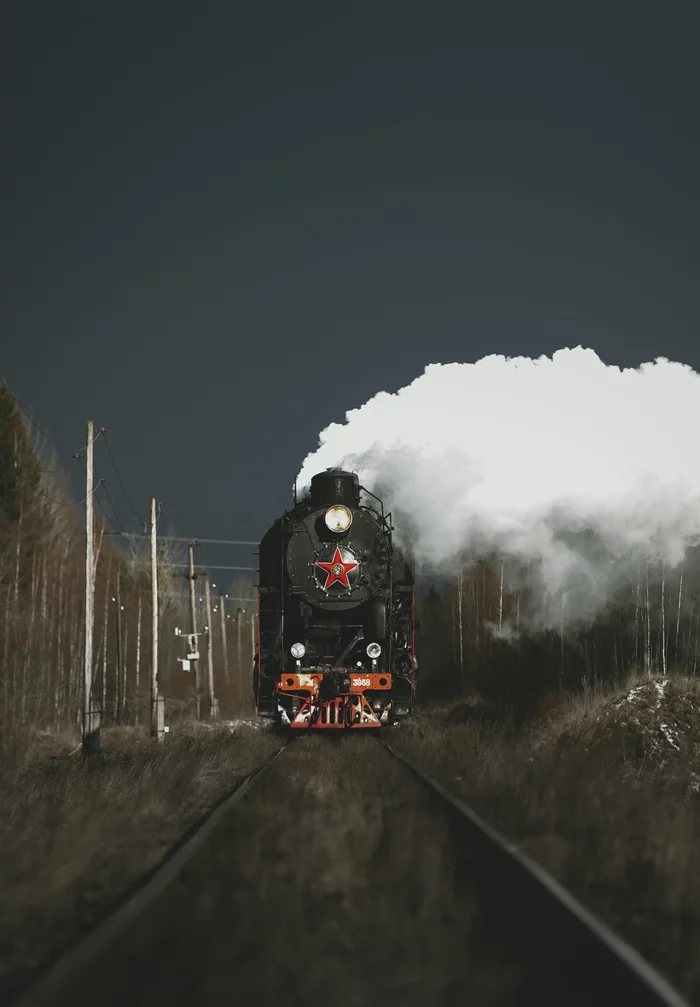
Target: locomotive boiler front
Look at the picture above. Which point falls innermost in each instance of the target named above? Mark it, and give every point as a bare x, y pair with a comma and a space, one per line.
337, 555
336, 612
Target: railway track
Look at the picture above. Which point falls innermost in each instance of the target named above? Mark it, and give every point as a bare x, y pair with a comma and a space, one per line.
573, 948
341, 869
53, 985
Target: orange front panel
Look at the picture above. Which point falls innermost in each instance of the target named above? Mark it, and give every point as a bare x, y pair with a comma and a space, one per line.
295, 681
362, 681
358, 682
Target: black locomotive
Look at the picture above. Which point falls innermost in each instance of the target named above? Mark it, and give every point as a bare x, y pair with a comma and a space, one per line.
336, 600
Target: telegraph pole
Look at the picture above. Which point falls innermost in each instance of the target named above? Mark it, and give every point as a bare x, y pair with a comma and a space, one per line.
213, 701
239, 630
157, 702
224, 641
120, 673
239, 657
253, 641
91, 718
193, 618
137, 685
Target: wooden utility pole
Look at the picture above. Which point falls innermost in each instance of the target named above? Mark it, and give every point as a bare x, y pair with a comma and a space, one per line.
125, 668
193, 619
253, 641
224, 641
213, 701
137, 686
120, 669
248, 678
105, 633
91, 718
157, 702
239, 657
239, 630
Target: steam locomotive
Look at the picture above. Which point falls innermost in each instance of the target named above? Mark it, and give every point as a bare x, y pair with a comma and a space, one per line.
336, 613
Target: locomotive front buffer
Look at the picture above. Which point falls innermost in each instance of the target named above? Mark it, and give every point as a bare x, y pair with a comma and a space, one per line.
333, 698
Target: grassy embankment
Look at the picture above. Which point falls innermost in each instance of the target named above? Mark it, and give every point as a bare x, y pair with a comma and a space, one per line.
603, 791
76, 833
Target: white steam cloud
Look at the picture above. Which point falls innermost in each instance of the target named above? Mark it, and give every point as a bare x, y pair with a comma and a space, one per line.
578, 467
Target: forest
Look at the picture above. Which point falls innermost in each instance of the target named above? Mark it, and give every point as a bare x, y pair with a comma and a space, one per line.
42, 604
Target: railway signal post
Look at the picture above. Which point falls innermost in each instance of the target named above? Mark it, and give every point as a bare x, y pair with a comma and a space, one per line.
239, 656
157, 701
224, 641
213, 701
193, 620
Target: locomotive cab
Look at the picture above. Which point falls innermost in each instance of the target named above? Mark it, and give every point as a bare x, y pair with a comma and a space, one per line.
335, 644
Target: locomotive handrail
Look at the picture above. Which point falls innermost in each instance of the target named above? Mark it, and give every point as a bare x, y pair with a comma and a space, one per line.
371, 494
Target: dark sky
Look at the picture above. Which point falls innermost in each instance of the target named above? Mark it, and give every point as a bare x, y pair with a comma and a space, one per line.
225, 226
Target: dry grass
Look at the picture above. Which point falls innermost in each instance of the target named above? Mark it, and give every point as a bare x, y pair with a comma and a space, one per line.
603, 791
75, 833
338, 879
337, 842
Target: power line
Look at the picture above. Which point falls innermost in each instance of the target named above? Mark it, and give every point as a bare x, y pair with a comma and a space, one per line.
197, 541
100, 482
121, 534
16, 464
115, 516
81, 451
33, 422
227, 597
58, 503
252, 569
35, 489
121, 483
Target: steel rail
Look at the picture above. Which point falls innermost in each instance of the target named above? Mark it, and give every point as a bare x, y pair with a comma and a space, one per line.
629, 978
48, 986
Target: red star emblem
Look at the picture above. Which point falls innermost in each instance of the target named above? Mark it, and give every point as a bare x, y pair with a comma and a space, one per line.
337, 570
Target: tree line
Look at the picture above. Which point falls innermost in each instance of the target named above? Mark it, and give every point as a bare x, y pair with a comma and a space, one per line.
477, 634
42, 599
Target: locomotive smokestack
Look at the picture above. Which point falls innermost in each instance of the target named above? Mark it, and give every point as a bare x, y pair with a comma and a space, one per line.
335, 486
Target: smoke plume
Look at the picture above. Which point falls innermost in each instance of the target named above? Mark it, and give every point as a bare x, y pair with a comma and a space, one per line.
576, 469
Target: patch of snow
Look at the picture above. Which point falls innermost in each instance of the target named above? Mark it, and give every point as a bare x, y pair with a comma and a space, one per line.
660, 688
671, 736
234, 725
631, 696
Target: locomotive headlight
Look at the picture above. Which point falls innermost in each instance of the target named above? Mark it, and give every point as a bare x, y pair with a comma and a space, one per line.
373, 651
298, 650
338, 518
